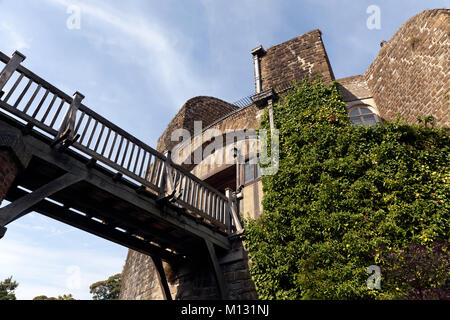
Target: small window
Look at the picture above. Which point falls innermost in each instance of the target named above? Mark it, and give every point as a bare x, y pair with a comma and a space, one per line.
249, 173
363, 115
252, 171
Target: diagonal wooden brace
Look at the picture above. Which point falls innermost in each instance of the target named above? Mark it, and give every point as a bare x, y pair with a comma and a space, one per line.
162, 278
217, 271
23, 205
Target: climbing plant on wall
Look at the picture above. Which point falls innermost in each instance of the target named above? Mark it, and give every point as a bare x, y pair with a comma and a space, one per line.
346, 198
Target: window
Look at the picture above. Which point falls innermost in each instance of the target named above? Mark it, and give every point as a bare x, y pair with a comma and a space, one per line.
363, 115
251, 171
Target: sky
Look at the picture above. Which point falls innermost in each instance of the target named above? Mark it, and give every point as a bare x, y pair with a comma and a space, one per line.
137, 62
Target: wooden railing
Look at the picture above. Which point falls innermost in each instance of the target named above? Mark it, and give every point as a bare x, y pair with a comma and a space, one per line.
67, 121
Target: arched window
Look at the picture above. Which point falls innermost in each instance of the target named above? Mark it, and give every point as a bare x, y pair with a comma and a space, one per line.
363, 115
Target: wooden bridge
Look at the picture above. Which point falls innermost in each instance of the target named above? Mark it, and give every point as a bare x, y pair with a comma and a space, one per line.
85, 171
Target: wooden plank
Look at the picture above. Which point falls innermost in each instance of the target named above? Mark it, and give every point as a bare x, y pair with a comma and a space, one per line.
104, 231
44, 117
16, 208
217, 271
130, 157
112, 146
99, 138
24, 91
162, 278
38, 108
105, 144
96, 177
92, 134
36, 91
58, 111
14, 87
11, 66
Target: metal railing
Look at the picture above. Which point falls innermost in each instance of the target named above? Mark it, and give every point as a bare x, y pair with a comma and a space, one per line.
278, 89
66, 120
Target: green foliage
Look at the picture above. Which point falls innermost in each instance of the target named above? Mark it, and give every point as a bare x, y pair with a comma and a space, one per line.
63, 297
348, 197
108, 289
7, 288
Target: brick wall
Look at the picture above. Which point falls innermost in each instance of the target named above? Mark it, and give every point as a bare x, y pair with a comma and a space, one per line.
354, 88
295, 59
206, 109
194, 280
8, 171
411, 75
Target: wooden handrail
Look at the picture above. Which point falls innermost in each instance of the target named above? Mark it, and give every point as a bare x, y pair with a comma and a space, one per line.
111, 145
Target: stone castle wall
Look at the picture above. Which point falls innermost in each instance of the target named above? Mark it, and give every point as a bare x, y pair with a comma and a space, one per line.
303, 56
411, 75
206, 109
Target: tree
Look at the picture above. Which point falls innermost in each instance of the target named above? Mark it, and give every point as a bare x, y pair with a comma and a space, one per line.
108, 289
63, 297
7, 288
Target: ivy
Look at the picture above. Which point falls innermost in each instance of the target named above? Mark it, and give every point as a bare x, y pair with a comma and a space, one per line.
348, 197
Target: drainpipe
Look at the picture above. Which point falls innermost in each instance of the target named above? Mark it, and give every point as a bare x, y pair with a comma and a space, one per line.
257, 53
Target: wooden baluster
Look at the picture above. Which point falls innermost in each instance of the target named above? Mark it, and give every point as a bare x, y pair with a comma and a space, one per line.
36, 91
14, 87
152, 175
112, 146
49, 108
144, 156
125, 153
131, 156
12, 65
92, 134
232, 207
158, 175
58, 111
137, 160
106, 142
118, 150
40, 104
24, 91
99, 138
147, 170
68, 123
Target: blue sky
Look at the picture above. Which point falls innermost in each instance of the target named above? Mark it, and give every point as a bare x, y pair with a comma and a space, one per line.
137, 63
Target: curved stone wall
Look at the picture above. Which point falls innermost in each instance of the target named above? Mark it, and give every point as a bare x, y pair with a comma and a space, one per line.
205, 109
411, 75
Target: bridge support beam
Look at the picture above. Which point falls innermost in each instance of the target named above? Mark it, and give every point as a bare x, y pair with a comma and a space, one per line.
23, 205
218, 275
162, 279
13, 159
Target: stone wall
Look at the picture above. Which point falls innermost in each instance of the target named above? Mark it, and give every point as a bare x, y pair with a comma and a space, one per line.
8, 172
354, 88
194, 280
411, 75
205, 109
303, 56
13, 158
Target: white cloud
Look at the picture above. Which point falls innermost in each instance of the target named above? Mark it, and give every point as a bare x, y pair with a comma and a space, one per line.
52, 272
142, 40
12, 37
